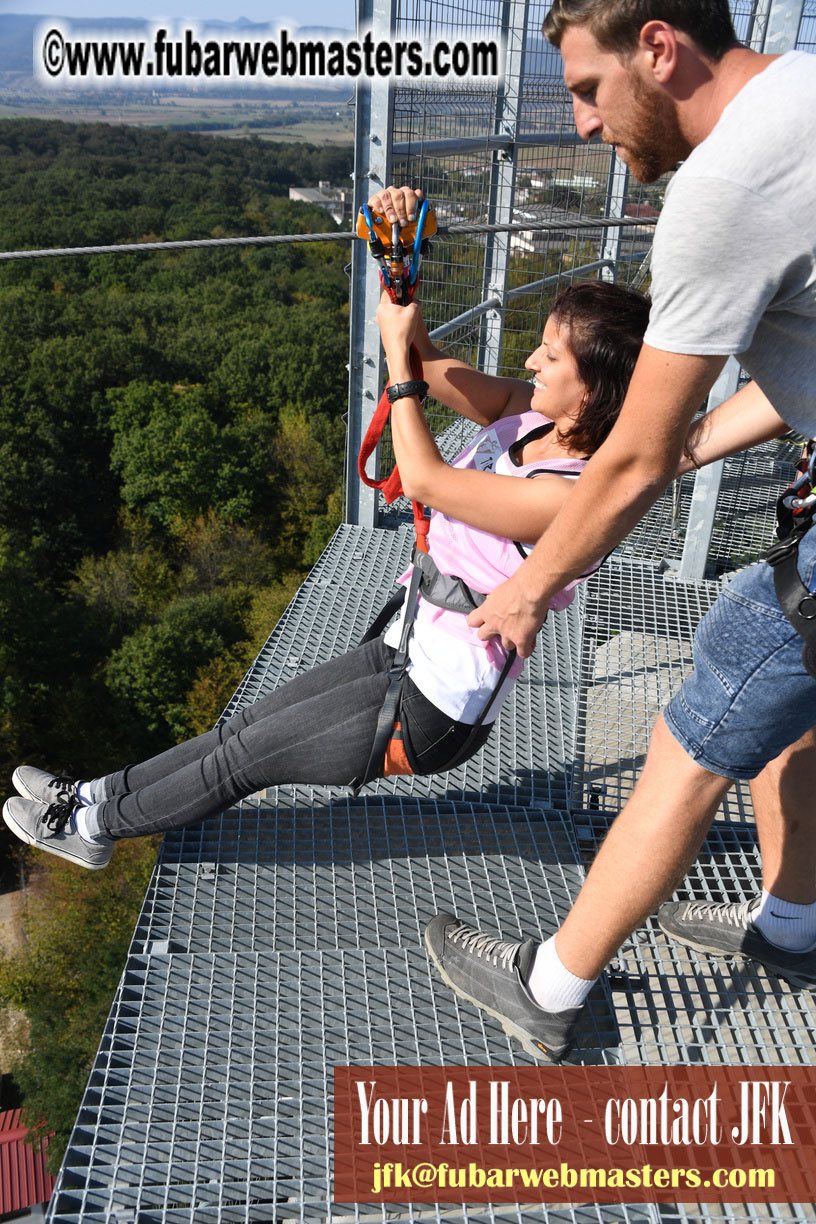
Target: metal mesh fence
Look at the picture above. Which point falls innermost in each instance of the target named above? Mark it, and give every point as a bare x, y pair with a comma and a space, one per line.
746, 511
807, 30
749, 19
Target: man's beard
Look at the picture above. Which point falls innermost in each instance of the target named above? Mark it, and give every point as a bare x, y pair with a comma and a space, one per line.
654, 142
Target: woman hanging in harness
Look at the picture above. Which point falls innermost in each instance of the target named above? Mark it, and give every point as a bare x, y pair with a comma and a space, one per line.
496, 497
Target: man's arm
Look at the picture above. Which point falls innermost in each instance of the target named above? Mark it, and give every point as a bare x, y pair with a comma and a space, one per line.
619, 484
738, 423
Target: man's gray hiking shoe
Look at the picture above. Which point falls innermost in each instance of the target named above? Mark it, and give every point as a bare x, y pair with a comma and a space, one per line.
725, 929
50, 827
33, 783
492, 974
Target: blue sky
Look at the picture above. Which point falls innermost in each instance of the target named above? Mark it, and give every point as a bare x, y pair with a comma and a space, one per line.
335, 13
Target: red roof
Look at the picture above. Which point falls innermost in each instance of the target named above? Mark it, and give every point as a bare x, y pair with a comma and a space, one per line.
23, 1179
642, 209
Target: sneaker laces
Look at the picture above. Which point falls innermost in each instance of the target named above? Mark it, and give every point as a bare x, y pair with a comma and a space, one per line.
734, 913
56, 817
64, 785
488, 946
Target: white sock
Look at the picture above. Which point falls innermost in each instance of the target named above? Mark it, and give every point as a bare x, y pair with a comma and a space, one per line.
81, 821
85, 793
552, 985
786, 924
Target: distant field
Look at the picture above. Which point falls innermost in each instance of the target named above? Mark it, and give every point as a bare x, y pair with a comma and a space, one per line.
318, 122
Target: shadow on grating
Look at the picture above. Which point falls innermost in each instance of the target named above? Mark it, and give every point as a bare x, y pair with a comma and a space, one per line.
636, 650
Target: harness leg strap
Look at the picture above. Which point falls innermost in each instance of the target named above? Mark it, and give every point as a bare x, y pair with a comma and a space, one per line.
389, 710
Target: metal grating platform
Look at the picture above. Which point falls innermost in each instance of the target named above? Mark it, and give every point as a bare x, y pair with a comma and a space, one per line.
286, 935
253, 973
216, 1120
636, 650
675, 1006
358, 873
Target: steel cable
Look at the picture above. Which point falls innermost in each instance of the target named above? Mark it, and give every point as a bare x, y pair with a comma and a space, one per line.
131, 248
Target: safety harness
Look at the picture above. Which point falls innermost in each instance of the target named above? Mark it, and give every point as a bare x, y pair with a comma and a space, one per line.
794, 518
390, 752
398, 253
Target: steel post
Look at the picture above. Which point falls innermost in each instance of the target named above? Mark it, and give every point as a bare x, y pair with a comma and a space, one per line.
707, 482
616, 191
373, 128
503, 183
782, 26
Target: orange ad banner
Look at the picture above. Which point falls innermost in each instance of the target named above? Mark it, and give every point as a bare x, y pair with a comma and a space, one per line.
575, 1134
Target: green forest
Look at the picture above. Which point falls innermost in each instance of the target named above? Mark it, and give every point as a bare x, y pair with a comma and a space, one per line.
171, 437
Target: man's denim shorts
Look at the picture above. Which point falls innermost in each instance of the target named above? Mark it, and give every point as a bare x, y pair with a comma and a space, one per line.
749, 696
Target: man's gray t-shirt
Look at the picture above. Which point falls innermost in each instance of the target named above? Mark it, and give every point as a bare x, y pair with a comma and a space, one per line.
734, 261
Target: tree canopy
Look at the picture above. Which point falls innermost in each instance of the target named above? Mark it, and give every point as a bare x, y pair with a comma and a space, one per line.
171, 443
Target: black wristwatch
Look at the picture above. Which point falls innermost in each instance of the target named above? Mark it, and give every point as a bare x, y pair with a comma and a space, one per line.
417, 386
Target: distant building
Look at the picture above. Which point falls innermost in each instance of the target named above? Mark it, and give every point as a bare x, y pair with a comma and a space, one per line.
540, 242
447, 213
336, 200
579, 182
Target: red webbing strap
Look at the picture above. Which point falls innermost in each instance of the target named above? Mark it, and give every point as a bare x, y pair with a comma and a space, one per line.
422, 525
391, 485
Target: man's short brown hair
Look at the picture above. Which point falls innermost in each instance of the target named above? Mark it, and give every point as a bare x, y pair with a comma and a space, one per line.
616, 24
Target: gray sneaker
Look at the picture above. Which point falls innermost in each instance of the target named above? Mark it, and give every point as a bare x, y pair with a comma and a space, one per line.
33, 783
725, 929
492, 974
51, 827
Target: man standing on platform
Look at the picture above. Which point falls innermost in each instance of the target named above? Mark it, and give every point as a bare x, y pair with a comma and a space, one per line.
734, 272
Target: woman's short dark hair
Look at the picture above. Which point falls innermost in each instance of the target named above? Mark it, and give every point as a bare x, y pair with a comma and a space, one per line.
606, 324
616, 24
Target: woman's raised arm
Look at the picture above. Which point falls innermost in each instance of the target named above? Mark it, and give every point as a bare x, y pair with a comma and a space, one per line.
518, 509
482, 398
